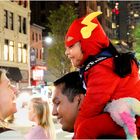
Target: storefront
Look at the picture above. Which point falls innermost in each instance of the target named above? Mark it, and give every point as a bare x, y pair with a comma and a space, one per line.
37, 75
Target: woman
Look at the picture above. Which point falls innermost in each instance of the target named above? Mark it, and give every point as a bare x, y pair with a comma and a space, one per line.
40, 114
7, 106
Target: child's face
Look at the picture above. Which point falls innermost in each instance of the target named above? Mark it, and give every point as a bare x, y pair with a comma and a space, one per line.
74, 53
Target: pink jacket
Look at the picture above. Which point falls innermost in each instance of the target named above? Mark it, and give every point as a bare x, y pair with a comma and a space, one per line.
37, 133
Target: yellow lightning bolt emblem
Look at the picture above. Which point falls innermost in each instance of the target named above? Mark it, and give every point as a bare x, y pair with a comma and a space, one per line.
87, 30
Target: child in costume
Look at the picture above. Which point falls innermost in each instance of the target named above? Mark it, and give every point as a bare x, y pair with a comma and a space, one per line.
107, 75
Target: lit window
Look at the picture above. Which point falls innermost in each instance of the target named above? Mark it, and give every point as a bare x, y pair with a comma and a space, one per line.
132, 27
108, 12
113, 25
24, 53
6, 50
131, 12
19, 52
42, 50
98, 8
11, 51
136, 15
38, 74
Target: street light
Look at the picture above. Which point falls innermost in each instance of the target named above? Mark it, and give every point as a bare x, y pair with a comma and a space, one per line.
48, 40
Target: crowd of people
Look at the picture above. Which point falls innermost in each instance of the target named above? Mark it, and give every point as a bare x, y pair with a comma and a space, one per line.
99, 100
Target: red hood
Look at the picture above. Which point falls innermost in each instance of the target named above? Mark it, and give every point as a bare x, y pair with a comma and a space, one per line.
91, 45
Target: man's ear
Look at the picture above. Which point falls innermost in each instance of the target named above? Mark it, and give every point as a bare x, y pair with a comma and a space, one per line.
79, 99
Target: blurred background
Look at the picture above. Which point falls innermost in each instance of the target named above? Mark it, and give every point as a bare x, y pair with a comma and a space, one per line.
32, 43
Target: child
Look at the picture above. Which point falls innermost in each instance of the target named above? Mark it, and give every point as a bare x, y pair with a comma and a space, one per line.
106, 73
40, 114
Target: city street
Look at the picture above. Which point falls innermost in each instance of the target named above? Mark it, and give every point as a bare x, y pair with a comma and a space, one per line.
78, 56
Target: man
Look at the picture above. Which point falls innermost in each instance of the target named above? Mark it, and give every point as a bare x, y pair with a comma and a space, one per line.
67, 97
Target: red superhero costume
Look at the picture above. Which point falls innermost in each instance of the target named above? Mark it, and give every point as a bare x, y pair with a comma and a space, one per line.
103, 82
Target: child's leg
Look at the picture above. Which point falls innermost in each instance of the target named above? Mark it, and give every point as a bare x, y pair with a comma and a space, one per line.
129, 125
99, 126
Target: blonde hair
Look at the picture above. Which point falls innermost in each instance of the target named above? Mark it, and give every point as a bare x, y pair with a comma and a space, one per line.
44, 117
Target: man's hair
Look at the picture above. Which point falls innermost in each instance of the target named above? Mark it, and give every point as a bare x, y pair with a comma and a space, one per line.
71, 85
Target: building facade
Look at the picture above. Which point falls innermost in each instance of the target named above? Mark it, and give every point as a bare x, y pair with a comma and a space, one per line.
15, 40
37, 64
133, 18
106, 17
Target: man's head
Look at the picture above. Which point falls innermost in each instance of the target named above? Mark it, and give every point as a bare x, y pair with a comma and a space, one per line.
67, 97
88, 31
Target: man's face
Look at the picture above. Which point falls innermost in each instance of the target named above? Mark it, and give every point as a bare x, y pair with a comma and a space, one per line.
65, 110
7, 97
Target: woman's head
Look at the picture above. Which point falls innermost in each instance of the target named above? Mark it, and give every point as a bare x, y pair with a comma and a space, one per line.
7, 96
39, 112
89, 33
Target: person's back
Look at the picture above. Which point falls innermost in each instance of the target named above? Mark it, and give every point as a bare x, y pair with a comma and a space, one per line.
37, 132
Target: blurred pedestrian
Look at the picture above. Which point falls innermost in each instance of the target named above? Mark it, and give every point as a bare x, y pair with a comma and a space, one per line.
7, 107
39, 113
106, 73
